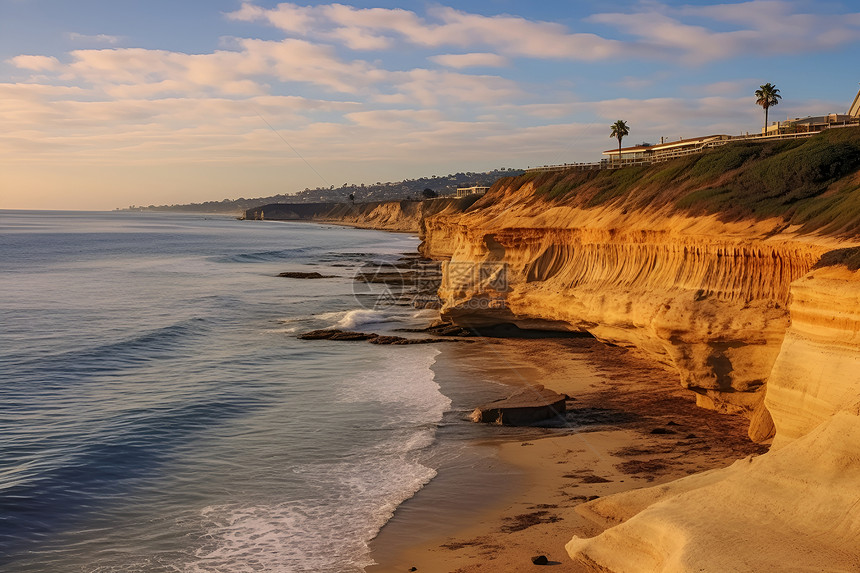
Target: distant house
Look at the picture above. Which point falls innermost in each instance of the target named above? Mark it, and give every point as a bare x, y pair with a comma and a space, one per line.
664, 151
474, 190
815, 123
811, 123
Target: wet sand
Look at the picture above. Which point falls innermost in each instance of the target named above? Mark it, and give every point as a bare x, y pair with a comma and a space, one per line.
503, 495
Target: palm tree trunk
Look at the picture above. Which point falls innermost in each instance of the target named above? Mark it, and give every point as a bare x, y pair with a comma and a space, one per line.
619, 151
765, 121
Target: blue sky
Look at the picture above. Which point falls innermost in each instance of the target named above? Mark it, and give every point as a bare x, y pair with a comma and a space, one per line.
107, 104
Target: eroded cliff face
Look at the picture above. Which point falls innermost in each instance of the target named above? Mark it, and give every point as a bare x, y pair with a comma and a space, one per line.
404, 216
817, 372
796, 508
749, 321
705, 297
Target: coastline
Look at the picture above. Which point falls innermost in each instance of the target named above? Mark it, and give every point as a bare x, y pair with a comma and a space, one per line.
518, 495
754, 311
506, 494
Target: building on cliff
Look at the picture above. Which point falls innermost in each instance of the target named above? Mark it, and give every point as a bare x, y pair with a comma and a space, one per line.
811, 124
646, 154
474, 190
816, 123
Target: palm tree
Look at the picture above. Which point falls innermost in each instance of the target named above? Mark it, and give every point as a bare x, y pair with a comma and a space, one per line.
767, 95
619, 130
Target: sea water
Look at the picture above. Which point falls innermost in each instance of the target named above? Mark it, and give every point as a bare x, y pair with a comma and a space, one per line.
158, 413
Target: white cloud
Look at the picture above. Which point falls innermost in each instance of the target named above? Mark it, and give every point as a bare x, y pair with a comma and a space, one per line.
94, 38
432, 87
138, 72
36, 63
660, 31
473, 60
762, 28
379, 28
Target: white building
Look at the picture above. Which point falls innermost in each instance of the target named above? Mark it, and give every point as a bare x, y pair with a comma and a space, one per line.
475, 190
664, 151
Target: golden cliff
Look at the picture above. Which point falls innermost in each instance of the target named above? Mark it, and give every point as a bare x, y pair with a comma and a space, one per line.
796, 508
663, 259
707, 298
406, 216
733, 269
817, 372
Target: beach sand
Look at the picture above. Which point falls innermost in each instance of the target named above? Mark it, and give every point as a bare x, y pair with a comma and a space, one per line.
511, 493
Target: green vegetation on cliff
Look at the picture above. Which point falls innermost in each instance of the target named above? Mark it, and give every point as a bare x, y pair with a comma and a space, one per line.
812, 182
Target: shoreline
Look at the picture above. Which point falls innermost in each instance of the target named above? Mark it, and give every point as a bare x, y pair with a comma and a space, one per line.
635, 425
518, 499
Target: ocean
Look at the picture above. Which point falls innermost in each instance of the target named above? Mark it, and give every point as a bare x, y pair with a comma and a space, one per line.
158, 413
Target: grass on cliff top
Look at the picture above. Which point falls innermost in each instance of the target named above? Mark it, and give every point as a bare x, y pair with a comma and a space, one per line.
812, 182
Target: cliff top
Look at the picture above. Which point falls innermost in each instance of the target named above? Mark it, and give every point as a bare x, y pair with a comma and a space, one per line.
812, 183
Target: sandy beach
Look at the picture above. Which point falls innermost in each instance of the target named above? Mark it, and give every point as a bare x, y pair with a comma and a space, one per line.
630, 426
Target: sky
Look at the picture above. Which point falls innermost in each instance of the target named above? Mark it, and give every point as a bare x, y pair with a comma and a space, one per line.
106, 104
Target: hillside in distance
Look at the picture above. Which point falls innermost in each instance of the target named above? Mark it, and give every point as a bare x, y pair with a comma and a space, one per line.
390, 191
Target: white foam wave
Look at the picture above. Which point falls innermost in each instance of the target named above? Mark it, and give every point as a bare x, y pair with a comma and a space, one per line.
425, 313
362, 317
335, 315
406, 379
329, 535
285, 330
329, 529
356, 318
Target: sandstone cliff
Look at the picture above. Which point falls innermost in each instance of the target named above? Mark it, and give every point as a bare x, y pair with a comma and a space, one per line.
642, 257
405, 216
796, 508
732, 268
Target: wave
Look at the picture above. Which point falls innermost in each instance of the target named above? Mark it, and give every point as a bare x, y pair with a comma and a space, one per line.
267, 256
346, 501
309, 536
362, 317
285, 330
134, 351
42, 498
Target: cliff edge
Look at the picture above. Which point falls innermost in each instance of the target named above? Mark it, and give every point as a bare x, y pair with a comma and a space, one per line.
736, 269
404, 216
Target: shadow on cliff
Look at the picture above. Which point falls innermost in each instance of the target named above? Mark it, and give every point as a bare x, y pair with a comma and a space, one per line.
505, 330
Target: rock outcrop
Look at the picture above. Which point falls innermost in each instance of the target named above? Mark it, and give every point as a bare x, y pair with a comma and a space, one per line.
817, 372
797, 506
795, 509
304, 275
706, 297
691, 262
372, 337
530, 405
